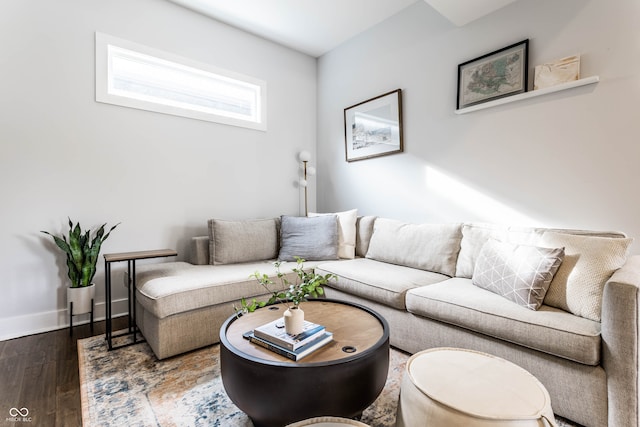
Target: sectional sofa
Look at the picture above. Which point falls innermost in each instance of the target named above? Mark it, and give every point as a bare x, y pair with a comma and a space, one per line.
562, 304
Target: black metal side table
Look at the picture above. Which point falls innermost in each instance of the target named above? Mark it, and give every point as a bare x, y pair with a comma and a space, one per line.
131, 258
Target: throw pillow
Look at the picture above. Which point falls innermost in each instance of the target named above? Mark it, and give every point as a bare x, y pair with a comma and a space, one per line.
231, 242
520, 273
346, 232
431, 247
310, 238
475, 235
589, 262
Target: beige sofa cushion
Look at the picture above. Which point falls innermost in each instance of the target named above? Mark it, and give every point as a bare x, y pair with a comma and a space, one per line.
458, 302
232, 242
175, 287
377, 281
589, 262
431, 247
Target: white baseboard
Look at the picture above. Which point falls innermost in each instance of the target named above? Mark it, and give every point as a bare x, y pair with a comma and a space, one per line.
20, 326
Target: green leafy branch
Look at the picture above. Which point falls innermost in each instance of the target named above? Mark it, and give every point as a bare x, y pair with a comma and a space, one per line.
307, 285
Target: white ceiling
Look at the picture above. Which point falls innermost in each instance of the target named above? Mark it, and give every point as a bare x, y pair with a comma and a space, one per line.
317, 26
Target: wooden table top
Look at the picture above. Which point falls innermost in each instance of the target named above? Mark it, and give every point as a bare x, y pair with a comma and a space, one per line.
126, 256
351, 325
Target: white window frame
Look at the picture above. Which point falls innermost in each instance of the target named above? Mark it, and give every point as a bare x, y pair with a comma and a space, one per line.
106, 45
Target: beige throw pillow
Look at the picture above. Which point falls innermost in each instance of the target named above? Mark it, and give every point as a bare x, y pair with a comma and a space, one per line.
231, 242
589, 262
346, 232
520, 273
431, 247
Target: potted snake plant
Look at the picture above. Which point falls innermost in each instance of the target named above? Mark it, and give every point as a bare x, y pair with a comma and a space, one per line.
82, 256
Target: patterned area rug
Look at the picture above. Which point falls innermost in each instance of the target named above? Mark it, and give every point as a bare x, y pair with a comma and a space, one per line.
129, 386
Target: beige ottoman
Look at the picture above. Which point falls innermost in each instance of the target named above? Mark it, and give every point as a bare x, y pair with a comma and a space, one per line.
328, 422
455, 387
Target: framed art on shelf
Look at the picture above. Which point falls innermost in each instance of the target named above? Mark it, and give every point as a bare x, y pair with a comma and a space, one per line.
373, 127
501, 73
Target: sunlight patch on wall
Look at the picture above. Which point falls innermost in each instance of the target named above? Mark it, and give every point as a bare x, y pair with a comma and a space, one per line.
479, 204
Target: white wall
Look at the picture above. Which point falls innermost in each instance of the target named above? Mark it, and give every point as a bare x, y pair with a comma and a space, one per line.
62, 154
565, 160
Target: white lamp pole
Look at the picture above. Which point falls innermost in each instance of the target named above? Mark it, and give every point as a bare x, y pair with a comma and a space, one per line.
304, 157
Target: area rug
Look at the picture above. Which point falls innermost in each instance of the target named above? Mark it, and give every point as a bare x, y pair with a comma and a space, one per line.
129, 386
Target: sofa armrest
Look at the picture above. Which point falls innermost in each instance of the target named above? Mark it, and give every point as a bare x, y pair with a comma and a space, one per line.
199, 250
620, 353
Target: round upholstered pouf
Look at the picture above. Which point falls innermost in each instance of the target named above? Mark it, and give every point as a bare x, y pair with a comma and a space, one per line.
328, 422
455, 387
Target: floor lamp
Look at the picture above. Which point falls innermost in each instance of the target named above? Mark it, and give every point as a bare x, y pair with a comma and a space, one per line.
304, 157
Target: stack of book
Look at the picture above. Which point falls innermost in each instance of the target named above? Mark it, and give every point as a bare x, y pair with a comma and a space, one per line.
272, 336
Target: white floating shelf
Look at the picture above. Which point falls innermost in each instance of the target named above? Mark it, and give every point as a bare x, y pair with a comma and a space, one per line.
527, 95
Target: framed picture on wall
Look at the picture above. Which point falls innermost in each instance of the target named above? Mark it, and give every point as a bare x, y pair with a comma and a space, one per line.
494, 75
373, 127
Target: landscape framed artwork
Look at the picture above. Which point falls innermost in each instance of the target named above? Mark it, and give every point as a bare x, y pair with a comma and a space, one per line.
373, 127
497, 74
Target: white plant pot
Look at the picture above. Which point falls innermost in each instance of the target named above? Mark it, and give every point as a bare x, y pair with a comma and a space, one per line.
81, 298
294, 320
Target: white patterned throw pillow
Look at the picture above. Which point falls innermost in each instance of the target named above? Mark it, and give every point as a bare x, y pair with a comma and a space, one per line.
520, 273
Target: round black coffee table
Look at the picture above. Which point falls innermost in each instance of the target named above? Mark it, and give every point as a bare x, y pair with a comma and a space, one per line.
341, 379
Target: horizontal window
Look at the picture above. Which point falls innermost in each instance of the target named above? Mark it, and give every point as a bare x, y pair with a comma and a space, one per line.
136, 76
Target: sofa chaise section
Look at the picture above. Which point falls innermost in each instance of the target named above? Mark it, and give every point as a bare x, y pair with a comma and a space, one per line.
181, 306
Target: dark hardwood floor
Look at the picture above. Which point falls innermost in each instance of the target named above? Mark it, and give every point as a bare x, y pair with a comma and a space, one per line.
40, 373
